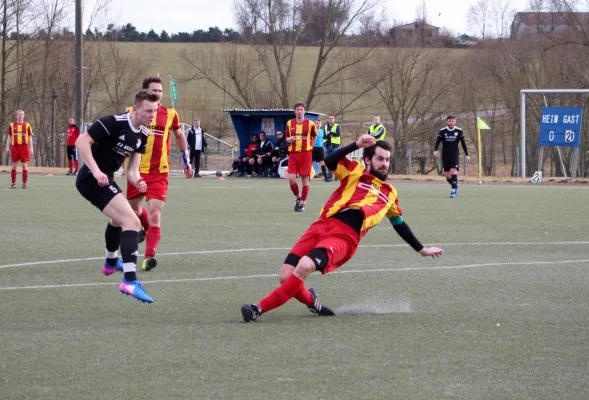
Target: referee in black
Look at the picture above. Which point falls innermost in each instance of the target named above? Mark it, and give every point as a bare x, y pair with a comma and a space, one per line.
450, 136
103, 149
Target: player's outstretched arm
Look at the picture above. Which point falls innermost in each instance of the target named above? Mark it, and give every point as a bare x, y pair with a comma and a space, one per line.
333, 159
363, 142
407, 235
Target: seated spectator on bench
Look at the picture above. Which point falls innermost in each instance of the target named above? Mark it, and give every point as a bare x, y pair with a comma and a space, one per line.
264, 155
244, 164
280, 152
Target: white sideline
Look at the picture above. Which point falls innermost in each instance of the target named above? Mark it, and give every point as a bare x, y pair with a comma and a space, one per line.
365, 271
182, 253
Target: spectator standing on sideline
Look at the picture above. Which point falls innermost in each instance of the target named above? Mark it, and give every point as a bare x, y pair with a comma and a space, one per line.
319, 151
72, 153
197, 142
377, 130
332, 139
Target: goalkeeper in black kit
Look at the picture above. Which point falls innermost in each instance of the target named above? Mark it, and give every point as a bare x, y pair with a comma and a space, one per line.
450, 136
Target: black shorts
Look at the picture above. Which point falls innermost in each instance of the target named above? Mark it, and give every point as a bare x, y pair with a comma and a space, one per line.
318, 154
72, 153
450, 161
99, 196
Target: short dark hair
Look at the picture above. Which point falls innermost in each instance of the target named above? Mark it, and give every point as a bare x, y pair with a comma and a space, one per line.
145, 95
262, 132
370, 151
151, 79
450, 117
331, 115
300, 104
277, 132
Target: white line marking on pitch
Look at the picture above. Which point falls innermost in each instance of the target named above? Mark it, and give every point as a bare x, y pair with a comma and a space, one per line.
364, 271
183, 253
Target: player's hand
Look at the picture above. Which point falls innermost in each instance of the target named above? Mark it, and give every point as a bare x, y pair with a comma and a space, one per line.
436, 153
32, 152
365, 141
141, 185
468, 159
7, 149
290, 139
188, 173
101, 178
434, 252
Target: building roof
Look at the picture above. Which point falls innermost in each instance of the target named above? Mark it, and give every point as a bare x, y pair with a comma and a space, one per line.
553, 18
412, 24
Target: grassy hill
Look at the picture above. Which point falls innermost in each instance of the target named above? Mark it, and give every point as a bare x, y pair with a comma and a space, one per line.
199, 96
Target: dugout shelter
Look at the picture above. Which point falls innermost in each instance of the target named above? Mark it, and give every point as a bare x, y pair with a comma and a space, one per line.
250, 122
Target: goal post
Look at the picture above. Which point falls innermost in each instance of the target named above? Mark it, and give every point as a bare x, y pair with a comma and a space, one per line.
522, 148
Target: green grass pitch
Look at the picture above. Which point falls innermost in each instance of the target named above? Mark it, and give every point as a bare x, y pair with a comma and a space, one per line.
504, 314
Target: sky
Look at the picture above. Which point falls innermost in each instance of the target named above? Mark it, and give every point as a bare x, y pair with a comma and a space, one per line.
188, 15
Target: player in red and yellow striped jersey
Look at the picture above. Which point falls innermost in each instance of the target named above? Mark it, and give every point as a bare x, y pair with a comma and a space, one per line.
154, 169
300, 135
362, 200
19, 143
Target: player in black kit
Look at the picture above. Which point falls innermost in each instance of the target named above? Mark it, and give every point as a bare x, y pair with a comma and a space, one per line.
103, 149
450, 136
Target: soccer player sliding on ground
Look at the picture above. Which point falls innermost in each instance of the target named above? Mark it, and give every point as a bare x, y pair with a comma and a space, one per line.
361, 201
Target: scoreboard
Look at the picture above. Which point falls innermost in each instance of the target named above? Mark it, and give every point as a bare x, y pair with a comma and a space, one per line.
560, 126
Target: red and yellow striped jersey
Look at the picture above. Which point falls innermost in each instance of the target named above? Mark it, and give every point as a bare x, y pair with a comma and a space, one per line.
157, 154
20, 133
360, 189
305, 134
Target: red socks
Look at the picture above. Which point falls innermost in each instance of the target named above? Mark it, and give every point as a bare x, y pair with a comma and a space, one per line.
304, 296
70, 163
25, 176
290, 288
144, 218
13, 176
77, 164
295, 189
305, 193
152, 239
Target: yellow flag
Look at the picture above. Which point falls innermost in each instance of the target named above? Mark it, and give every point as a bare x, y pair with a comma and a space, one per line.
482, 124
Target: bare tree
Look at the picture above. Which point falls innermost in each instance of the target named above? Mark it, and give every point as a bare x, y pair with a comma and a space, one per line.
502, 14
412, 84
120, 74
275, 30
479, 17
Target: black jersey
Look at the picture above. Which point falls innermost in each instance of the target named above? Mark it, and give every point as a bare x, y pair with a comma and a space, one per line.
114, 140
450, 138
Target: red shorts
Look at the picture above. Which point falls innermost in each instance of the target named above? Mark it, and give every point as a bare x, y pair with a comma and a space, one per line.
157, 187
300, 163
340, 241
20, 152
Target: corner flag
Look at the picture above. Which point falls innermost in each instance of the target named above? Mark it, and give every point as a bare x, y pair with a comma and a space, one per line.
173, 90
482, 124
